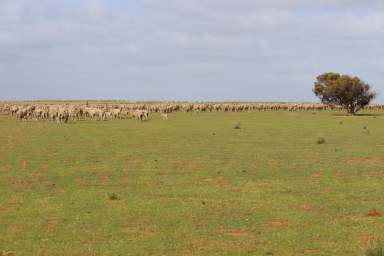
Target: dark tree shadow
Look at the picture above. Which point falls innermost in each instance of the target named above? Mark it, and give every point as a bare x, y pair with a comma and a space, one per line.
366, 114
358, 114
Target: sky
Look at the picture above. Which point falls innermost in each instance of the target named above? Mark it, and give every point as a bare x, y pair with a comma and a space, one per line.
198, 50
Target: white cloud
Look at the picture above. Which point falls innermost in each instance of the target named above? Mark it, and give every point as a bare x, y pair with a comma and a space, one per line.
135, 48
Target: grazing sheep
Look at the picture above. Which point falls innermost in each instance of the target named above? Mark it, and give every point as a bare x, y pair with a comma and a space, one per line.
63, 116
141, 115
141, 111
164, 116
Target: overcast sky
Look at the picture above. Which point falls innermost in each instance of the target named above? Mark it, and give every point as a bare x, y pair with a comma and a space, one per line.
259, 50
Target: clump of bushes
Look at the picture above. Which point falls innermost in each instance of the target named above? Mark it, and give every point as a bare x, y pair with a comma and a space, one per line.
375, 249
320, 141
113, 197
237, 126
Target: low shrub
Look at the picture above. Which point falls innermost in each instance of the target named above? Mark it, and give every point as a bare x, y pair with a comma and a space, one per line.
320, 141
113, 197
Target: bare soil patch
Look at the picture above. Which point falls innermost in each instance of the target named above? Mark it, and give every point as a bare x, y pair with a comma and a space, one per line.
51, 225
278, 223
24, 164
304, 207
373, 213
242, 232
104, 180
184, 166
317, 174
366, 160
6, 253
135, 161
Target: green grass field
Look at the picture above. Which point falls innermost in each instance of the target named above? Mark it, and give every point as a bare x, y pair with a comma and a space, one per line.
193, 185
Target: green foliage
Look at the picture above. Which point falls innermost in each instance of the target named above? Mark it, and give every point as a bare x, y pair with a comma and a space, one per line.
349, 92
237, 126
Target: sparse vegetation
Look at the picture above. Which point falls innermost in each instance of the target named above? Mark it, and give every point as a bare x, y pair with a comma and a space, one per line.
268, 188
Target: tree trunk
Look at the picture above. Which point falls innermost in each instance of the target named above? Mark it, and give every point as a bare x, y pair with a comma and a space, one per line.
351, 110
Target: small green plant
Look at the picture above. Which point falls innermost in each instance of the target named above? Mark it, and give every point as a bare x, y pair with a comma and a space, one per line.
375, 248
320, 141
237, 126
365, 127
113, 197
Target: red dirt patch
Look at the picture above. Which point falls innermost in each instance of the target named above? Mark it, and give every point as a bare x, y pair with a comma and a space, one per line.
310, 251
24, 164
278, 224
219, 181
104, 180
139, 233
304, 207
43, 168
366, 160
237, 232
21, 185
373, 213
187, 166
135, 161
51, 225
317, 174
222, 181
184, 165
274, 165
6, 253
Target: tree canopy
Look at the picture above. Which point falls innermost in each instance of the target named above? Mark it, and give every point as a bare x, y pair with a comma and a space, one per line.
350, 92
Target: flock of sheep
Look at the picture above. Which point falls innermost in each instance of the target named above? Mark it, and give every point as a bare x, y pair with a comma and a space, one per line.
62, 113
106, 111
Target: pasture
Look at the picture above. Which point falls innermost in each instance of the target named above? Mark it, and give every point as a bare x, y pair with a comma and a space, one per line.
193, 185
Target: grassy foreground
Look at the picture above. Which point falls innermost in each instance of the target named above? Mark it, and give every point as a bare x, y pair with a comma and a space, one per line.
193, 185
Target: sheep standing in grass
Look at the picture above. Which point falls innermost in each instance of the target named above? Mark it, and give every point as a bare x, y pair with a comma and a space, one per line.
63, 116
164, 116
141, 115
